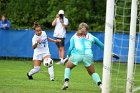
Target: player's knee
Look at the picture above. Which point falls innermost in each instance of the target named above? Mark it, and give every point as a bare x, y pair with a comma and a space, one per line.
37, 68
90, 70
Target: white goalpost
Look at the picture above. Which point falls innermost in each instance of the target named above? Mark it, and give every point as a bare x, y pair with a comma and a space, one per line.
108, 46
128, 74
131, 53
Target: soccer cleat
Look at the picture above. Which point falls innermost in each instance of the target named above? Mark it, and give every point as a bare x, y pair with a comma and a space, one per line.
100, 86
29, 77
115, 56
59, 62
65, 60
65, 86
52, 77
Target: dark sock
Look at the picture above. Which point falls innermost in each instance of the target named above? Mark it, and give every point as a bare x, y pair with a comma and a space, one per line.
99, 83
66, 79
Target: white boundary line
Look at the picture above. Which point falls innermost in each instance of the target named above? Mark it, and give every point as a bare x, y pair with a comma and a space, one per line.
136, 89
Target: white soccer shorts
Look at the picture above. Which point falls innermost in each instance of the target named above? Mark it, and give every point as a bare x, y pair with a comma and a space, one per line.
40, 56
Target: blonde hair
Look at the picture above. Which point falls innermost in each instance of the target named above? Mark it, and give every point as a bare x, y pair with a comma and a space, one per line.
81, 25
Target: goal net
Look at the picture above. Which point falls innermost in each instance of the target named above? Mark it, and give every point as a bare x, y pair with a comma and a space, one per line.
121, 36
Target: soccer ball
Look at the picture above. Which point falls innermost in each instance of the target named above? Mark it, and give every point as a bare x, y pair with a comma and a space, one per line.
48, 62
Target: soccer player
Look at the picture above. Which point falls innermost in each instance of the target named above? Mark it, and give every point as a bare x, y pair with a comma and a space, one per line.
60, 23
80, 50
41, 52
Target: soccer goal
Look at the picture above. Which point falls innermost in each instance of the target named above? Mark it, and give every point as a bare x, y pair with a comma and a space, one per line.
122, 37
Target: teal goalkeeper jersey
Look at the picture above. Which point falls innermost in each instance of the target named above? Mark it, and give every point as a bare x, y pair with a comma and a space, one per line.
83, 45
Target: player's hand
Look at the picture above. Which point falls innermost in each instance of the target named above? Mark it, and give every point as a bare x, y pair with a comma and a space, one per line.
39, 40
58, 40
115, 56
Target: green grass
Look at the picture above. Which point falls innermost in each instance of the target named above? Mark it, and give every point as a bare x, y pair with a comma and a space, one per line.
13, 78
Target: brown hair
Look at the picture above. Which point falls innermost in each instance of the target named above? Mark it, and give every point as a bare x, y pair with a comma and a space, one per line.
36, 24
81, 25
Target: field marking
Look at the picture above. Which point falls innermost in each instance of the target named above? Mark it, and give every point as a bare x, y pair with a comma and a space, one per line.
135, 89
125, 80
123, 87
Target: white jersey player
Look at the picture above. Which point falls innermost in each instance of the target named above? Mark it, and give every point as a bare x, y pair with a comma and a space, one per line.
41, 53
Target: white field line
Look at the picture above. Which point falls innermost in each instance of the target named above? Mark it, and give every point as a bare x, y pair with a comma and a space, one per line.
135, 89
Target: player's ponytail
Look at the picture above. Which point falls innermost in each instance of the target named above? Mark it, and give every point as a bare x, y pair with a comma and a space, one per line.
36, 24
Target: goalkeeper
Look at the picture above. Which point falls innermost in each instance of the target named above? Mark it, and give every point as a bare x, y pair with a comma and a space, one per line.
80, 50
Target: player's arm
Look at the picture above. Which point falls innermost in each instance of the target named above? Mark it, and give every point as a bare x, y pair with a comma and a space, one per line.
35, 45
99, 43
53, 40
64, 23
54, 21
35, 42
70, 47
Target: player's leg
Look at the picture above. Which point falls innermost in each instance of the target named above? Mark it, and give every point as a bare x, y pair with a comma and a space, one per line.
50, 69
69, 67
67, 73
61, 50
72, 62
37, 62
88, 63
95, 76
36, 69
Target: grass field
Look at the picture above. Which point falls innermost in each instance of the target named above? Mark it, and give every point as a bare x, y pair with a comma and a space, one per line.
13, 78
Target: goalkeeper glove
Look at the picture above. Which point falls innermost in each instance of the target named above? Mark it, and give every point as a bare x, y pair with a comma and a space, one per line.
115, 56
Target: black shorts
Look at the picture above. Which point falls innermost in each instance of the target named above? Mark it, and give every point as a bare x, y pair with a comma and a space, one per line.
60, 44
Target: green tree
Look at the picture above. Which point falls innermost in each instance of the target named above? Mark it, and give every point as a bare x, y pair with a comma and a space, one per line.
22, 13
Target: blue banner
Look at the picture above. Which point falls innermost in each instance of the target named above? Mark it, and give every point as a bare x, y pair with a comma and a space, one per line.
18, 43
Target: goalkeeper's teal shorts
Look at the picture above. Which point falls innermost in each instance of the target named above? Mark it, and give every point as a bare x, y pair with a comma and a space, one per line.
87, 60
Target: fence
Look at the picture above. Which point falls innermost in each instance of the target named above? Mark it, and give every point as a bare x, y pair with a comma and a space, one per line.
18, 43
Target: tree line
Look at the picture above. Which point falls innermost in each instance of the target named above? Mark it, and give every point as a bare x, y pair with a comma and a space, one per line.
23, 13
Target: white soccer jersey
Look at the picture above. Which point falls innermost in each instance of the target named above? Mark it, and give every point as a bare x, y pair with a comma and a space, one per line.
59, 30
42, 47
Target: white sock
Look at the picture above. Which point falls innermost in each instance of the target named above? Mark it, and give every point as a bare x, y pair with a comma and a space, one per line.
34, 70
51, 72
61, 59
